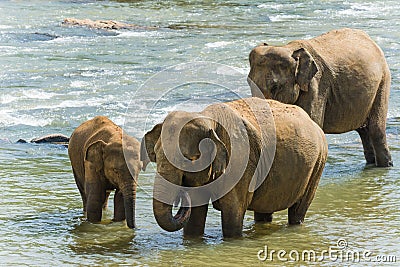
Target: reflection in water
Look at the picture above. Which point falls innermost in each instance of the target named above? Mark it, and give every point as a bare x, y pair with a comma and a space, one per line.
101, 238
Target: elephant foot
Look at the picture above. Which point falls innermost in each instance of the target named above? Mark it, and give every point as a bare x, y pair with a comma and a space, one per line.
385, 164
383, 158
263, 217
232, 223
369, 156
370, 161
93, 217
376, 150
296, 213
369, 152
295, 221
193, 235
380, 161
230, 233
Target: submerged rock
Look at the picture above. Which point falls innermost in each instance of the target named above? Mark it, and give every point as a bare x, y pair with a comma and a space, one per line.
104, 24
33, 37
57, 139
51, 138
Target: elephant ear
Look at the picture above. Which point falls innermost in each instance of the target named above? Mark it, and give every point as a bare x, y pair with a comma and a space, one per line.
94, 159
149, 140
305, 68
221, 157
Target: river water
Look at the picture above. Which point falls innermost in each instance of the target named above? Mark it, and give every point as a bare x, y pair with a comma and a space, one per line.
54, 77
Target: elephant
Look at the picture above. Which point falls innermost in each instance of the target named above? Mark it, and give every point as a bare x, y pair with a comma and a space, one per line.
103, 158
231, 162
340, 78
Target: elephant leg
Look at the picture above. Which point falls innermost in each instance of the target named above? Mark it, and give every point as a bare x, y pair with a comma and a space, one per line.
81, 189
119, 208
377, 126
296, 213
262, 217
298, 210
195, 225
232, 222
378, 139
366, 141
96, 195
105, 204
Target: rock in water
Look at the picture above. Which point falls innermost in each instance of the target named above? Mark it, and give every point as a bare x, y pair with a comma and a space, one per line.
104, 24
52, 139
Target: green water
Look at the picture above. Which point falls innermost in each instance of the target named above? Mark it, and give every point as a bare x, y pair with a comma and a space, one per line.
55, 77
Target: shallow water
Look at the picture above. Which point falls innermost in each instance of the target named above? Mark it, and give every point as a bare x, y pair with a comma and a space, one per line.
54, 77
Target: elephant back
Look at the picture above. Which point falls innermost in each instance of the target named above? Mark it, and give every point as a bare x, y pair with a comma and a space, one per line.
301, 150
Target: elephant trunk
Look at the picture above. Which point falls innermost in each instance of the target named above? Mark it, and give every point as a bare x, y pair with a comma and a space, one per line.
129, 195
163, 214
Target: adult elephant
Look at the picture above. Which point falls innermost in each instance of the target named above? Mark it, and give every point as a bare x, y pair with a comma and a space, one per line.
96, 150
232, 170
341, 79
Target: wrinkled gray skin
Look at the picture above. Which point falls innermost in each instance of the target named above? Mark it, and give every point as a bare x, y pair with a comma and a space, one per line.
99, 166
341, 79
301, 153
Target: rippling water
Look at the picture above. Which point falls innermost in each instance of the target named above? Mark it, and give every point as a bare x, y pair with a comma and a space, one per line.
54, 77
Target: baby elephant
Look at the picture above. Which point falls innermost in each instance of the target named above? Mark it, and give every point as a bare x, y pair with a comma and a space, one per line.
227, 153
96, 150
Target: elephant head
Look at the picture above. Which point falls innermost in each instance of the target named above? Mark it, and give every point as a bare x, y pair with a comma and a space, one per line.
118, 162
188, 153
280, 73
